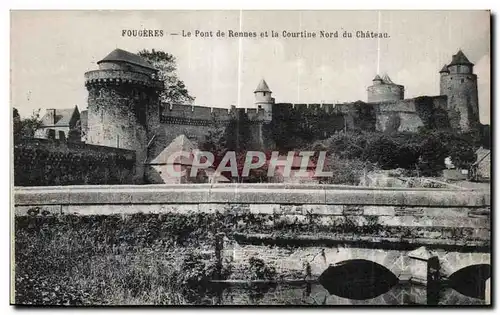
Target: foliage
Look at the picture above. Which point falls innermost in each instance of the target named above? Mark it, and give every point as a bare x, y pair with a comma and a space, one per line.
39, 165
432, 117
238, 133
234, 136
195, 274
259, 270
138, 259
424, 151
25, 128
175, 91
438, 144
291, 128
76, 132
345, 171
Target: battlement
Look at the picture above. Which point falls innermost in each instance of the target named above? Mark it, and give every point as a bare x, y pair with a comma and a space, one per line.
319, 108
121, 77
309, 108
202, 115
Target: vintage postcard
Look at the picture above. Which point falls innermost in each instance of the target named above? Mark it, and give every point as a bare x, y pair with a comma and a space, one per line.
317, 158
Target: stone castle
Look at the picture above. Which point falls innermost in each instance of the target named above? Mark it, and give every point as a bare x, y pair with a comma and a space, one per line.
125, 111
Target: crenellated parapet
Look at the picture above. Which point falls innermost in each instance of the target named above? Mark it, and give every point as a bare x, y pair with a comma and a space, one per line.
205, 116
120, 77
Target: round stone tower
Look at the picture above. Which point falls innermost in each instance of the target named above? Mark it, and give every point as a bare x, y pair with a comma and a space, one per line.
459, 83
123, 104
263, 98
384, 90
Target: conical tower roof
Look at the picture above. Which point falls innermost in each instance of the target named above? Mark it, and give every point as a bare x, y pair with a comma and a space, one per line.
444, 69
377, 78
386, 79
460, 59
262, 87
125, 56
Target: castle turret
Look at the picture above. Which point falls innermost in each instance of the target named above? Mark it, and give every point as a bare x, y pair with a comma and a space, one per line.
263, 98
459, 84
443, 73
123, 104
384, 90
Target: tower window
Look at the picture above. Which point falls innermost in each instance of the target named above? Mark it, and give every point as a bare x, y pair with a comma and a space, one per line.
462, 80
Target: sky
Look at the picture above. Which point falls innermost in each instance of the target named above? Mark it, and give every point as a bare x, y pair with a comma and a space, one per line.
51, 51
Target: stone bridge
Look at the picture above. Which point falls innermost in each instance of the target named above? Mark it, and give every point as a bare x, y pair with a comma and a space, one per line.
301, 230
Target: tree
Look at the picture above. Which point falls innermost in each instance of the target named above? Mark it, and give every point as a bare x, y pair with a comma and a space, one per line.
381, 151
75, 133
175, 91
25, 128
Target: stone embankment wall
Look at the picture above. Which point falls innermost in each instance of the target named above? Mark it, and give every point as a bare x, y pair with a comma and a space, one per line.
42, 162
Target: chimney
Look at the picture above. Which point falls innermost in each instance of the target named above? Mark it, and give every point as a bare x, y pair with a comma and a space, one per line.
51, 116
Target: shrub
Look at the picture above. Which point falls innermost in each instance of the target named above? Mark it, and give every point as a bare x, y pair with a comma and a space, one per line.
345, 171
259, 270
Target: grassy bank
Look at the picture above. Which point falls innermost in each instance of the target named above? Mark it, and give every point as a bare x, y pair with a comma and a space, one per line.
110, 260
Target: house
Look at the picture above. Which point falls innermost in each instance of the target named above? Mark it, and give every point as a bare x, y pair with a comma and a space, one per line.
160, 166
57, 124
481, 169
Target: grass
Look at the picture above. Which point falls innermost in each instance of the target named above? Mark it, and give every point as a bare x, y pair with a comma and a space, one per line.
75, 261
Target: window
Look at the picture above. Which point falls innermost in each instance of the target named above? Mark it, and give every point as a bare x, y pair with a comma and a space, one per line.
462, 81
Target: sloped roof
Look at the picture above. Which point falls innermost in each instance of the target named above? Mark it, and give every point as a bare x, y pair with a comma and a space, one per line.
481, 155
386, 79
420, 253
262, 87
125, 56
62, 117
444, 69
460, 59
181, 143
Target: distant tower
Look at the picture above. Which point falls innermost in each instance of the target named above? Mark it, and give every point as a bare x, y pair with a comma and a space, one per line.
459, 84
123, 104
384, 90
264, 99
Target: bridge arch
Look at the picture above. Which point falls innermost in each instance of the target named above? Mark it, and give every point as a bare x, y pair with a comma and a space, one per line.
452, 262
357, 279
393, 260
471, 280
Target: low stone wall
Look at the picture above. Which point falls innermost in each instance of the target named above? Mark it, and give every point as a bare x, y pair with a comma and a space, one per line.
42, 162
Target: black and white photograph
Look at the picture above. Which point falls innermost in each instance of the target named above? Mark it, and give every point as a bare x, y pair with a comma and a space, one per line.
313, 158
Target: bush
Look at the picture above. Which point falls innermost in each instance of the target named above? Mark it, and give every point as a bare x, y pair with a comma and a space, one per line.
345, 171
259, 270
425, 150
139, 259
